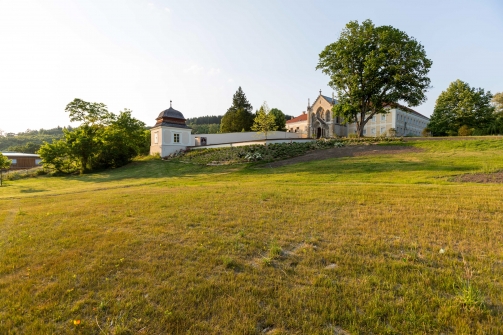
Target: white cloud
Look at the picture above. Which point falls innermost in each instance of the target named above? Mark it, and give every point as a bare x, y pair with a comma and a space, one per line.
167, 10
230, 80
194, 69
151, 5
213, 71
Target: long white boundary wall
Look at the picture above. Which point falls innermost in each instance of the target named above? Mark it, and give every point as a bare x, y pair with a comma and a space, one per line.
262, 142
235, 138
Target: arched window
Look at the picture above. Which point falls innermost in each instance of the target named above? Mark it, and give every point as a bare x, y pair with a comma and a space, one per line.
327, 115
319, 112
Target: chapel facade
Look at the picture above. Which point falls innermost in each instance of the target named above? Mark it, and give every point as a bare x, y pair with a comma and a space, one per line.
318, 121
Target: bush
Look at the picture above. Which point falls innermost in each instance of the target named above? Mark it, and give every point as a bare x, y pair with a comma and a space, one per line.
465, 131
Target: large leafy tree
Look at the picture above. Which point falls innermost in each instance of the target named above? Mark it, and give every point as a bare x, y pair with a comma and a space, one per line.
264, 121
102, 140
371, 67
279, 119
239, 116
461, 105
4, 165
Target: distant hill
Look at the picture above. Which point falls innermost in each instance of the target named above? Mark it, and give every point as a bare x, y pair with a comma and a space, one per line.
30, 140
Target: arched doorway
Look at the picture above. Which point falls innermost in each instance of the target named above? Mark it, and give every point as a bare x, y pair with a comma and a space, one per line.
318, 132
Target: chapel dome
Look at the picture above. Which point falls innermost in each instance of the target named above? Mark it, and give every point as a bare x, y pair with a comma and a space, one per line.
171, 113
171, 118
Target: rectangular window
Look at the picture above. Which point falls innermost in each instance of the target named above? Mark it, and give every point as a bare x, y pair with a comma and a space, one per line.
383, 130
374, 118
373, 130
364, 131
13, 161
38, 161
383, 117
176, 138
156, 138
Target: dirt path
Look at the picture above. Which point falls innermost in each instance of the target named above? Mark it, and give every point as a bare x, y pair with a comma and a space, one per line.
496, 177
349, 151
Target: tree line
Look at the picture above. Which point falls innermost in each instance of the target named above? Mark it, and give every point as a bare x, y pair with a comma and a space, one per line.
238, 118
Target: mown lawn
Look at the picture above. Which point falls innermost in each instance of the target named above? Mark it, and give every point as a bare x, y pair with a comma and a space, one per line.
361, 245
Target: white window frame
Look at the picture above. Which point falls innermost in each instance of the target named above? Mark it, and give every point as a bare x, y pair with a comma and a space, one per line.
156, 137
383, 117
176, 138
373, 131
38, 161
13, 161
383, 130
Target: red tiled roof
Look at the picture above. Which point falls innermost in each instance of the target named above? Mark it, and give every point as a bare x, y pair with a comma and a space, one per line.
302, 117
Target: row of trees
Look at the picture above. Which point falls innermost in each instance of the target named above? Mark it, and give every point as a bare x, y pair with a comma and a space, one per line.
240, 117
102, 140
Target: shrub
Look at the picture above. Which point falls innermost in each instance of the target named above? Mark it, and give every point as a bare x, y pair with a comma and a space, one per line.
465, 131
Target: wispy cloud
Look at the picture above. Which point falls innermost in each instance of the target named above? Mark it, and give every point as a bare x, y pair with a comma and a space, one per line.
213, 71
194, 69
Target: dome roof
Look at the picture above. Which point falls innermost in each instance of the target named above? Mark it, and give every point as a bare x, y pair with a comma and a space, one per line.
171, 113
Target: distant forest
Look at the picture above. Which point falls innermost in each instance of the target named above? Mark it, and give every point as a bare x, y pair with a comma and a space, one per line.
29, 141
205, 119
209, 124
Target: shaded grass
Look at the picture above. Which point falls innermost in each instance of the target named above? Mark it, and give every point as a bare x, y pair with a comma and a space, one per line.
160, 247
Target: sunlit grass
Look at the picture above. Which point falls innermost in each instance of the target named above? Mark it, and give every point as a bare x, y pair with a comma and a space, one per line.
350, 243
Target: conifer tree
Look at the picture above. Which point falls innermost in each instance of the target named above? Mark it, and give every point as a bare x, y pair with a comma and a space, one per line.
239, 116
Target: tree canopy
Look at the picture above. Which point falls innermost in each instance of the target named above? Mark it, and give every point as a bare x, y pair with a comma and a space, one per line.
264, 122
279, 119
239, 116
102, 140
371, 67
461, 107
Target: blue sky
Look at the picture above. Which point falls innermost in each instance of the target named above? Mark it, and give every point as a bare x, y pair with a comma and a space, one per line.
141, 54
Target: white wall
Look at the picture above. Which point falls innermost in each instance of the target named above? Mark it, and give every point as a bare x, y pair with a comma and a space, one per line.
165, 140
261, 142
212, 139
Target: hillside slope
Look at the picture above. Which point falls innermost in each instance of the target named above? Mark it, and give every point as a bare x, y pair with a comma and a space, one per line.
385, 244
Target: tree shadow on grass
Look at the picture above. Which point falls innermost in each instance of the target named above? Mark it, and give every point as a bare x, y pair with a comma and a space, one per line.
31, 190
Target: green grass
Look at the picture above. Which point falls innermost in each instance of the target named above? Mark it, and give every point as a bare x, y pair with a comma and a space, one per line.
350, 244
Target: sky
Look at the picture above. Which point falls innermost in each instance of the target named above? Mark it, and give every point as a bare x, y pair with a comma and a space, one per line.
140, 54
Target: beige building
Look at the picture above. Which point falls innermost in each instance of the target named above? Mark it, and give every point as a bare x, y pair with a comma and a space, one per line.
318, 121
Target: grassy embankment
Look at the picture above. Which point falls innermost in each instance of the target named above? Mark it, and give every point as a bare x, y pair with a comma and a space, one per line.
378, 244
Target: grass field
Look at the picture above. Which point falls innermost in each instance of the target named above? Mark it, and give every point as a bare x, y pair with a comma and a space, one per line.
364, 245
